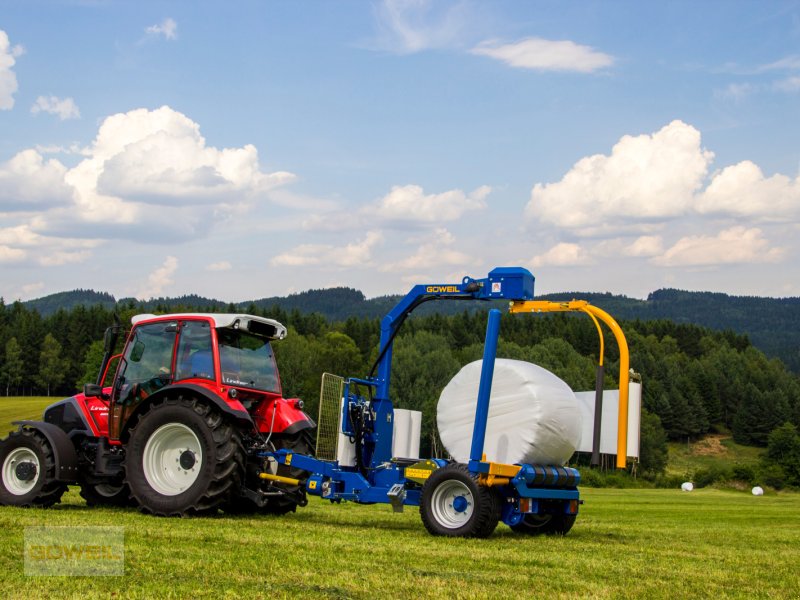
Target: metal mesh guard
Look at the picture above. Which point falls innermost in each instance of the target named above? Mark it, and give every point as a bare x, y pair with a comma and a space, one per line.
330, 403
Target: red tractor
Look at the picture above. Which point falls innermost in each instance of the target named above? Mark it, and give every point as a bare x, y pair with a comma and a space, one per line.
194, 405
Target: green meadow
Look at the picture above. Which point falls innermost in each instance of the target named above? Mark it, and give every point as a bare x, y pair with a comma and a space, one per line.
632, 543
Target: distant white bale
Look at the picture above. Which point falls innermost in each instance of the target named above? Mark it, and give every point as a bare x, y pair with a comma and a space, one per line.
758, 491
687, 486
533, 415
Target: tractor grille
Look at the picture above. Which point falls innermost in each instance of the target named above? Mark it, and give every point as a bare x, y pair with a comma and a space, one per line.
330, 405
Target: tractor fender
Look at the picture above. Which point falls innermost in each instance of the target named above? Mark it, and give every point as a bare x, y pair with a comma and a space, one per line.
64, 456
240, 415
299, 426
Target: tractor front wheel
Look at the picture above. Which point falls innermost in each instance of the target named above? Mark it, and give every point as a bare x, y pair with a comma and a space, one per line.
183, 457
27, 471
454, 504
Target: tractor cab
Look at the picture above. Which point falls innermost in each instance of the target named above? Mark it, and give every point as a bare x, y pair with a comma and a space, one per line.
225, 354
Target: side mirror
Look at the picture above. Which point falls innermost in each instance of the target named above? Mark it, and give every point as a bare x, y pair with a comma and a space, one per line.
92, 390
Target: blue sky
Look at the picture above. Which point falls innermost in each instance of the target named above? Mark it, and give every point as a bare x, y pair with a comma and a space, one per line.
248, 149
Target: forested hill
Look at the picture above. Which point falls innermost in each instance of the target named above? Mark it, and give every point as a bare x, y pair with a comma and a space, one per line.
773, 324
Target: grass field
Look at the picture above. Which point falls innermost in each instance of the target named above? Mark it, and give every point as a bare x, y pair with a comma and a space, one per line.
625, 544
16, 408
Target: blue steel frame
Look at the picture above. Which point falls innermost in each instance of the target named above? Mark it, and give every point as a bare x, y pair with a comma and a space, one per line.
383, 481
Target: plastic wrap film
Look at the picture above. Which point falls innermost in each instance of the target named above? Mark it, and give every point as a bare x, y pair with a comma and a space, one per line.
406, 433
533, 415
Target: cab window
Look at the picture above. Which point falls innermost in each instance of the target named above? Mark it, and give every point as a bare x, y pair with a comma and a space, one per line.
195, 356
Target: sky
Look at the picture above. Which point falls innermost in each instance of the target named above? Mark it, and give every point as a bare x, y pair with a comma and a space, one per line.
241, 150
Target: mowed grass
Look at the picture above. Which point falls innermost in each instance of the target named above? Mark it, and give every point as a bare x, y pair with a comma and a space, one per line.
625, 544
18, 408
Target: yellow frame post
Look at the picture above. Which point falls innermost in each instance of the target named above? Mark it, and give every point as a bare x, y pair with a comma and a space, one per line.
540, 306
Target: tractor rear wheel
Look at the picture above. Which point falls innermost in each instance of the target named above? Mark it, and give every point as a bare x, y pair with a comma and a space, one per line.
545, 524
182, 458
454, 504
27, 471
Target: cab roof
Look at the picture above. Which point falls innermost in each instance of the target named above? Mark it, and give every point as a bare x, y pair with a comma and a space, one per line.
260, 326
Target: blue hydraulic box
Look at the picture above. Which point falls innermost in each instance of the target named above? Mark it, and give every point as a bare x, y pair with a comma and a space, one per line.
510, 282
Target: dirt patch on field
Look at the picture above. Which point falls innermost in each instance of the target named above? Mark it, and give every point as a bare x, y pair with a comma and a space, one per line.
711, 445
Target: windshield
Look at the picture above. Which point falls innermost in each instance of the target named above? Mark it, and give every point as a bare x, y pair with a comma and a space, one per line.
247, 361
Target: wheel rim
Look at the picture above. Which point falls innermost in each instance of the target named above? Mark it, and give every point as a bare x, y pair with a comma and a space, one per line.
172, 459
12, 481
452, 504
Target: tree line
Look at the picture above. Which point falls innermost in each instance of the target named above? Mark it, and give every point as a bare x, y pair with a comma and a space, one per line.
695, 380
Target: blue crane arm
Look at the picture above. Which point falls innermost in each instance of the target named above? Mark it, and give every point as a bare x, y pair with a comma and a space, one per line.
503, 283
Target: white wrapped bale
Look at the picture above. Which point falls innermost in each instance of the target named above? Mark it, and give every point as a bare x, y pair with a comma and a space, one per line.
533, 415
687, 486
758, 491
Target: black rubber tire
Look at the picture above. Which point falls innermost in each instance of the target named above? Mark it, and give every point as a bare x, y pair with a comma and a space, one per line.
485, 512
301, 442
221, 469
545, 524
106, 494
46, 491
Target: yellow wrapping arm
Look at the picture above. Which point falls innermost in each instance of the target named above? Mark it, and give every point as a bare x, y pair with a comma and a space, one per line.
541, 306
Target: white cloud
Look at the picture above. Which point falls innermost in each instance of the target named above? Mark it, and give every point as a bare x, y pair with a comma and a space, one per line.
30, 289
8, 79
737, 245
167, 28
64, 109
789, 85
436, 249
408, 26
28, 182
159, 279
23, 244
742, 190
355, 254
222, 265
645, 178
11, 255
783, 64
562, 255
404, 206
546, 55
646, 245
410, 203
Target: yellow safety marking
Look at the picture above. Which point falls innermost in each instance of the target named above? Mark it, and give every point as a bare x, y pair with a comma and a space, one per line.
418, 473
288, 459
312, 485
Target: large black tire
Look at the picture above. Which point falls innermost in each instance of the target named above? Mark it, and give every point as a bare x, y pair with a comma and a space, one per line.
27, 471
183, 458
545, 524
106, 494
454, 504
301, 442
